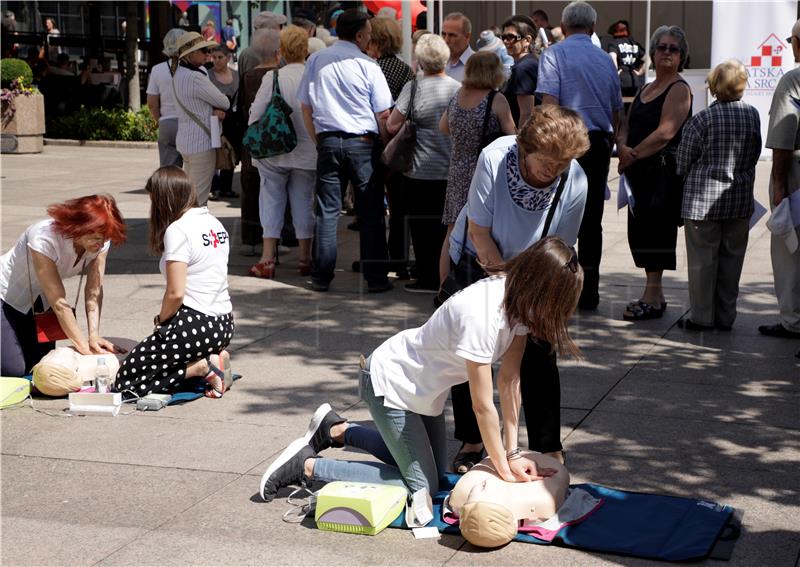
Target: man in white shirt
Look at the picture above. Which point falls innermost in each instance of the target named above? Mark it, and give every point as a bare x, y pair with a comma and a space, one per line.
346, 100
783, 138
161, 102
456, 31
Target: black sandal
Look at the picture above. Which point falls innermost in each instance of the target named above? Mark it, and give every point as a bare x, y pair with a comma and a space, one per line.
641, 311
465, 460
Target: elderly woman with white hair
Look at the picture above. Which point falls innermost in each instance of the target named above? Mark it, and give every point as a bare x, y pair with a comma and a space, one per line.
265, 43
161, 101
424, 100
197, 100
646, 144
718, 155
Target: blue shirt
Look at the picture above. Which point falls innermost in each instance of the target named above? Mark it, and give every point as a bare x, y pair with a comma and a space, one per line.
456, 70
345, 89
516, 212
582, 77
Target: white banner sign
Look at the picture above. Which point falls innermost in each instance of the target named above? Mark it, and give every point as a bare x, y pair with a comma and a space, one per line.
755, 33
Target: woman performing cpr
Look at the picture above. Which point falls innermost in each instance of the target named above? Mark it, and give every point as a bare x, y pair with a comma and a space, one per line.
406, 381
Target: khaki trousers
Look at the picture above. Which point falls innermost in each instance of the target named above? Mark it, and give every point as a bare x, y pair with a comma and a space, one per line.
715, 254
200, 168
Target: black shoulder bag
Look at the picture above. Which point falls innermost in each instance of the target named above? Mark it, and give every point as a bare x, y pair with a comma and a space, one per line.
399, 152
468, 270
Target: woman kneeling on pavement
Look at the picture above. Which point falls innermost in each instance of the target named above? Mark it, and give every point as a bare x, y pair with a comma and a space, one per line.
195, 322
75, 240
406, 380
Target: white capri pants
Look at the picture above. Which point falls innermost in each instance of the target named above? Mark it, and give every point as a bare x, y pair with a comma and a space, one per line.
200, 168
276, 183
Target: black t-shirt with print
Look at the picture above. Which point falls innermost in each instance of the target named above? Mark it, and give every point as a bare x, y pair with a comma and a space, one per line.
630, 56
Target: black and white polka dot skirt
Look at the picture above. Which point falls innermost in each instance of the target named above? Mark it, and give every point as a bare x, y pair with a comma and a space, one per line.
158, 364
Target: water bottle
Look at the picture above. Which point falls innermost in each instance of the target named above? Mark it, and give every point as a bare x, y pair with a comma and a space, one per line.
102, 377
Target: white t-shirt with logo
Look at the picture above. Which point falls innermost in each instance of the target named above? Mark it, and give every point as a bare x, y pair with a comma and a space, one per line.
200, 241
15, 288
415, 369
160, 85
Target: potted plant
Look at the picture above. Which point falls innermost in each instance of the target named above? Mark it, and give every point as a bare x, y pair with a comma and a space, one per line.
22, 109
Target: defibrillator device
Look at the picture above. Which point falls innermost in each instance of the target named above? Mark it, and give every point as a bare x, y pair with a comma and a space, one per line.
358, 507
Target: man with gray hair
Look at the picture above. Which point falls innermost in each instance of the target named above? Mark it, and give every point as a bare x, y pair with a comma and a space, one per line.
248, 58
576, 74
783, 138
161, 102
456, 31
345, 101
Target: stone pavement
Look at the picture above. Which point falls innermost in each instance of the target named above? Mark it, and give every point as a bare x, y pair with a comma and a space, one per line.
651, 408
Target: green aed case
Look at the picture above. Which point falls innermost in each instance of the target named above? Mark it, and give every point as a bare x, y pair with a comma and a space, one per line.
13, 391
358, 507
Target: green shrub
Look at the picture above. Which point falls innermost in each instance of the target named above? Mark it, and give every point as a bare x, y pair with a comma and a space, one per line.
13, 69
104, 124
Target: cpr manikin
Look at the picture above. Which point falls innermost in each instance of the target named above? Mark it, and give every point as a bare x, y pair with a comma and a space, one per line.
490, 508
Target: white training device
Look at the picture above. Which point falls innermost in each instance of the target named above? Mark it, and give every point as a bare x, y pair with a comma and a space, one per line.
92, 403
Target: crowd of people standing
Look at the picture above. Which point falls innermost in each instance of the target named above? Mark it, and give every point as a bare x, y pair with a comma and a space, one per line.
506, 177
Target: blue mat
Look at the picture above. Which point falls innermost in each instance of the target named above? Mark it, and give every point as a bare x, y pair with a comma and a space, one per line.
192, 390
653, 526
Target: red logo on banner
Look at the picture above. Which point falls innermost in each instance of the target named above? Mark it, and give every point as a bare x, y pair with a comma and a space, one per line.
766, 66
769, 53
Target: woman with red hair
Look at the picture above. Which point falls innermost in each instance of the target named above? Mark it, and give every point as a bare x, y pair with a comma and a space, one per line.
74, 241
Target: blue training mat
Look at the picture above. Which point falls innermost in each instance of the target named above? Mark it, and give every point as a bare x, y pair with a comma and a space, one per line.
193, 390
653, 526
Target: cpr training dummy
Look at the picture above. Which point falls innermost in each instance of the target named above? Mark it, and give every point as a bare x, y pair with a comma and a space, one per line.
491, 510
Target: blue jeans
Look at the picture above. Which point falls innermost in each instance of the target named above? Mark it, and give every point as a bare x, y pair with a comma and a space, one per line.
341, 159
413, 448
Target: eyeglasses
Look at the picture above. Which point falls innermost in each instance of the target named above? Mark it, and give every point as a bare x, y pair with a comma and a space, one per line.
206, 50
511, 37
573, 261
667, 48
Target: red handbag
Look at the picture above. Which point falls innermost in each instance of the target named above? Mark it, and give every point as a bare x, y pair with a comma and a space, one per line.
48, 329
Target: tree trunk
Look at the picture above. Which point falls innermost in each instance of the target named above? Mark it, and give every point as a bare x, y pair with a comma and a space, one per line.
131, 65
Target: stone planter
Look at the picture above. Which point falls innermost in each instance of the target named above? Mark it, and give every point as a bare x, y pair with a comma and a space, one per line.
25, 133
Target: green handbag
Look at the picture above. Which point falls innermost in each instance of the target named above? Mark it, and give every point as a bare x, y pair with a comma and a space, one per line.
273, 134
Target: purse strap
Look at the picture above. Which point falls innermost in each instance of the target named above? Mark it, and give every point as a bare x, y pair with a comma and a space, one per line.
486, 116
30, 281
552, 210
276, 87
410, 112
191, 114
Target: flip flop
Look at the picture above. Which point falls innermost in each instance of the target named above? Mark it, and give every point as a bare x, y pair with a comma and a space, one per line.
219, 380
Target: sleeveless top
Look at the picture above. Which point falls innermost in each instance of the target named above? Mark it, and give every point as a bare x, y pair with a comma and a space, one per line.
466, 133
644, 118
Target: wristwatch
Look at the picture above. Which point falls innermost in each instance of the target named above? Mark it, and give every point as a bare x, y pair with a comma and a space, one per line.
156, 321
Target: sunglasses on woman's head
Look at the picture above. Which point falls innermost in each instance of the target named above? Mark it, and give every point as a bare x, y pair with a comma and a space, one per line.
573, 261
511, 37
666, 48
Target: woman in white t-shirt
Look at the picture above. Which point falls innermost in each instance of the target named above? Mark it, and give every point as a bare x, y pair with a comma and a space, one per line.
195, 322
75, 240
292, 175
406, 381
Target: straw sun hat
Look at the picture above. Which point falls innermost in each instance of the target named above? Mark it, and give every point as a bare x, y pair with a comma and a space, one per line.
191, 42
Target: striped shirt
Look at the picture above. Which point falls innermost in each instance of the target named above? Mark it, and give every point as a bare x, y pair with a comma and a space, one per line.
718, 155
431, 159
199, 96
